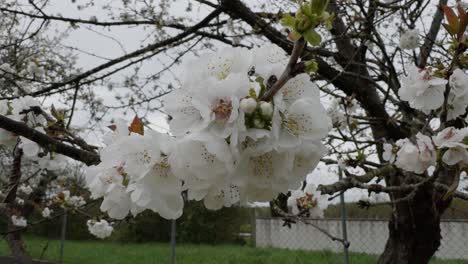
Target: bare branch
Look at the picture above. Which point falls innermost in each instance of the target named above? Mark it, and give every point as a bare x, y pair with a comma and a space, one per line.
431, 35
49, 143
289, 72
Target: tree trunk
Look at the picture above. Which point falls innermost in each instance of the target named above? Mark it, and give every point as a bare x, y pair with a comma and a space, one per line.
18, 249
16, 244
414, 229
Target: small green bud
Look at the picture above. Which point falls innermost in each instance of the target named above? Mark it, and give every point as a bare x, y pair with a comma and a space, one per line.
311, 66
318, 6
303, 24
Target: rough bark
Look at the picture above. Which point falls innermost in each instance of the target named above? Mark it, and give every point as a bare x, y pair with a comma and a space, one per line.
414, 230
15, 242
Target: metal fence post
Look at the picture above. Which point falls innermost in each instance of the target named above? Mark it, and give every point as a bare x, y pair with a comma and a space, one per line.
62, 237
343, 221
173, 240
253, 228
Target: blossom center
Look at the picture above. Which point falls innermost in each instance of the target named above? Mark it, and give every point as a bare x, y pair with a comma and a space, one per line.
426, 76
307, 202
449, 134
222, 110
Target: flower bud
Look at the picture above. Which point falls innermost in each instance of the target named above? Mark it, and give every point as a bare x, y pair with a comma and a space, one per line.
266, 108
248, 105
259, 123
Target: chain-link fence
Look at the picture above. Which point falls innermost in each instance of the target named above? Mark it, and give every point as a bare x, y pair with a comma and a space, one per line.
367, 236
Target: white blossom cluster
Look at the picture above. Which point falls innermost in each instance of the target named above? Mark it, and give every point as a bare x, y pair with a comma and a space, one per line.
21, 109
135, 175
46, 212
425, 92
100, 229
308, 202
19, 221
66, 200
229, 145
14, 110
450, 143
340, 111
409, 39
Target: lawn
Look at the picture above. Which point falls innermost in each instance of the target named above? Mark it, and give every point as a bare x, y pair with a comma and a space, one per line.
95, 252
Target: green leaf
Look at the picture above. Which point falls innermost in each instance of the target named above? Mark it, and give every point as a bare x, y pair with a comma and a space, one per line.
318, 6
252, 93
305, 10
288, 21
261, 82
312, 37
311, 66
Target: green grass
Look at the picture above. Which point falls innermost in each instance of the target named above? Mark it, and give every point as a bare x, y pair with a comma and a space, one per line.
96, 252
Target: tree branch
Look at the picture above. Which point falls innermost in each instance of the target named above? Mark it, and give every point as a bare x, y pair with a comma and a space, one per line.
289, 72
133, 54
431, 35
353, 182
49, 143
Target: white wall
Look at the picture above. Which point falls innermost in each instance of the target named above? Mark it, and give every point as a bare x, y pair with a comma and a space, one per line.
365, 236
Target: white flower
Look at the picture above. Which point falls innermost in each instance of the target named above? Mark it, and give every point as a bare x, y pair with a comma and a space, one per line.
135, 175
299, 87
458, 98
262, 177
458, 83
46, 212
266, 108
303, 161
268, 60
34, 69
99, 179
426, 148
212, 104
457, 106
101, 229
248, 105
220, 195
415, 158
452, 139
119, 130
309, 202
217, 65
306, 119
134, 154
19, 201
388, 154
337, 116
117, 202
423, 91
203, 162
76, 201
409, 39
159, 190
26, 189
19, 221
